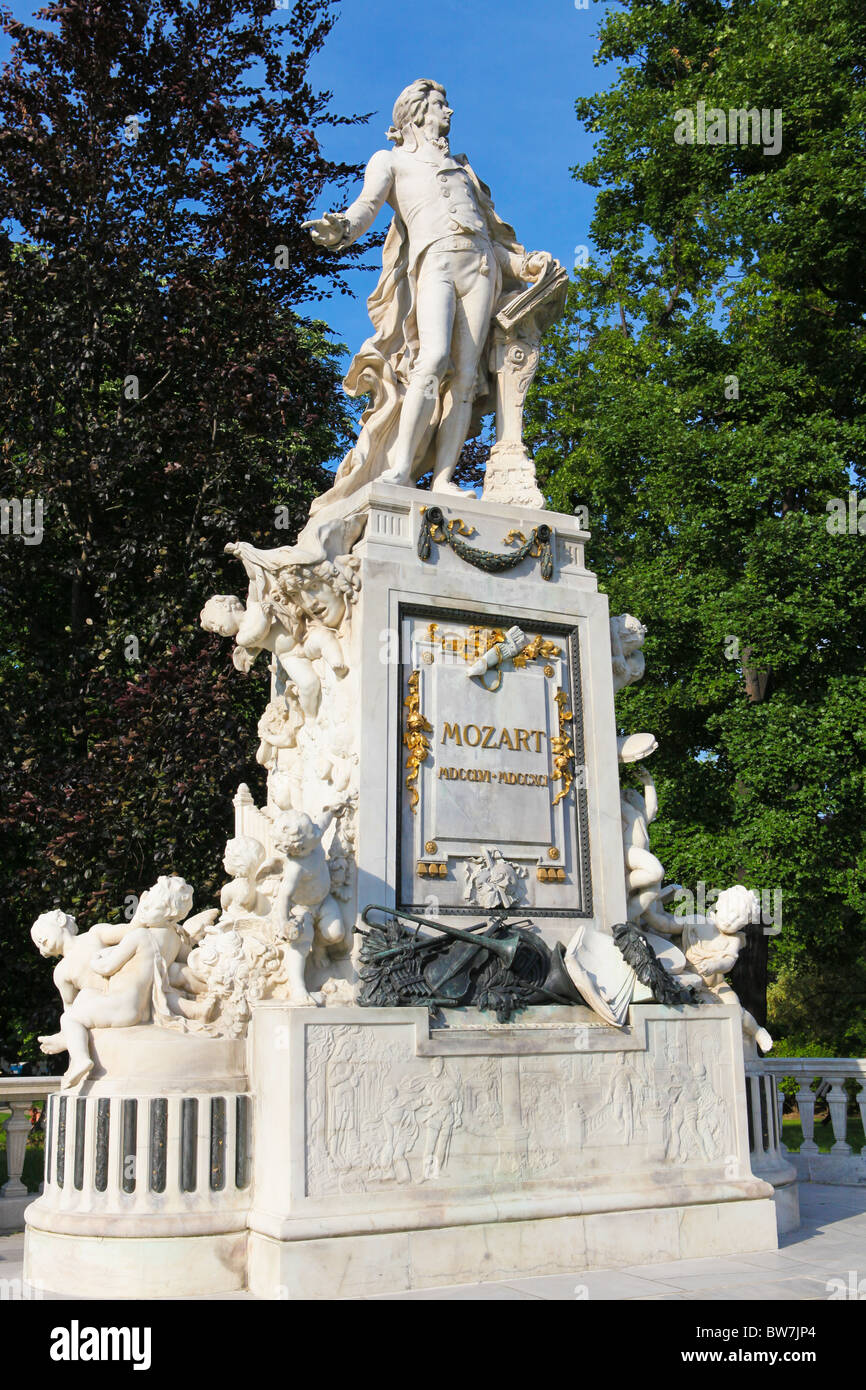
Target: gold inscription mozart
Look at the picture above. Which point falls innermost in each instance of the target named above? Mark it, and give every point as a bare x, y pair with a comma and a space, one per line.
488, 736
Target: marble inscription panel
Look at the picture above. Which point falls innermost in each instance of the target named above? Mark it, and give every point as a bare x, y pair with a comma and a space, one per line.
491, 766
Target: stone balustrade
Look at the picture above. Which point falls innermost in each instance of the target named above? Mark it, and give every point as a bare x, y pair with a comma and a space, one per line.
769, 1157
842, 1164
19, 1094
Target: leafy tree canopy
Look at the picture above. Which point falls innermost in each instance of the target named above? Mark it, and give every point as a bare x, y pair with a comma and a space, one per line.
703, 398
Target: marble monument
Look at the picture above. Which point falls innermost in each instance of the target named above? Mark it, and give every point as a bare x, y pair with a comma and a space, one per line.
440, 743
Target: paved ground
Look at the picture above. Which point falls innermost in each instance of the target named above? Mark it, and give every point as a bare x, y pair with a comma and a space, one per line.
830, 1245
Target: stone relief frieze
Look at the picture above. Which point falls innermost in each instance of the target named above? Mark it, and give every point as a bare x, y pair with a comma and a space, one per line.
378, 1116
375, 1115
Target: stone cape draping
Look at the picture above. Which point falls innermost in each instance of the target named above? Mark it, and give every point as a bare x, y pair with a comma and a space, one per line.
382, 366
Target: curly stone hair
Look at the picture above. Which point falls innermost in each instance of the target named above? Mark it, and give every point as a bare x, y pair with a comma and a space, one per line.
410, 106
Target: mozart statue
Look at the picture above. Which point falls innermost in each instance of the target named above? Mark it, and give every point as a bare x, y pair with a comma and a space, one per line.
452, 312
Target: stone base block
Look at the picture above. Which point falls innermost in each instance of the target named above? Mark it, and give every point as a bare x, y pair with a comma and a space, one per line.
361, 1266
130, 1267
787, 1203
397, 1154
12, 1211
843, 1170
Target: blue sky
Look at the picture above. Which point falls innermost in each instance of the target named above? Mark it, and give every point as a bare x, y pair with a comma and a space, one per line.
512, 72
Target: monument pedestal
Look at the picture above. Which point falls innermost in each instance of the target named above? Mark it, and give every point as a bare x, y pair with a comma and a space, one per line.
393, 1155
147, 1171
464, 724
516, 766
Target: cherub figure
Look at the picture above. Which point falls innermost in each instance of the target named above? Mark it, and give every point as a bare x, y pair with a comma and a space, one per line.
244, 859
295, 640
119, 975
627, 635
712, 944
644, 872
278, 728
305, 887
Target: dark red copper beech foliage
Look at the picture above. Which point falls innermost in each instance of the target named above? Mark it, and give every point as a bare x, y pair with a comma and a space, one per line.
161, 393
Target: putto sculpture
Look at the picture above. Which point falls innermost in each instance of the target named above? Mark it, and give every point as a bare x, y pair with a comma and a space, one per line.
712, 944
452, 297
121, 975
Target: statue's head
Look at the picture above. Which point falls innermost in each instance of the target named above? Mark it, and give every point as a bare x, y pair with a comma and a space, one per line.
280, 790
243, 855
222, 614
734, 909
280, 723
630, 630
411, 110
51, 930
165, 904
295, 834
317, 592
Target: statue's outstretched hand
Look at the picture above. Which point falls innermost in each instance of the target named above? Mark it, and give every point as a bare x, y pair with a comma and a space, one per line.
329, 230
536, 265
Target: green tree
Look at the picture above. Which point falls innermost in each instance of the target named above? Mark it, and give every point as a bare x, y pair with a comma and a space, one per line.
703, 398
161, 395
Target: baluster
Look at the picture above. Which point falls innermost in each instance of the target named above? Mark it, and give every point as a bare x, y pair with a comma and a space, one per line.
17, 1130
837, 1099
758, 1148
806, 1106
767, 1107
861, 1103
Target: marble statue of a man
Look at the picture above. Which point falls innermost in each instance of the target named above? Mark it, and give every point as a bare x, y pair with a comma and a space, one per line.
449, 263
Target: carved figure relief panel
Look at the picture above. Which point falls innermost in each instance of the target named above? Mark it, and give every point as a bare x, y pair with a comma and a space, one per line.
492, 781
379, 1118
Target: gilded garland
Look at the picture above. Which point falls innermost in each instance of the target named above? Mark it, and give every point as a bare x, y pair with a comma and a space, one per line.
415, 739
434, 527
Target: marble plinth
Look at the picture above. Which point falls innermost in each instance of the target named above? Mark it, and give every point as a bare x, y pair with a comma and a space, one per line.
147, 1171
398, 1155
482, 778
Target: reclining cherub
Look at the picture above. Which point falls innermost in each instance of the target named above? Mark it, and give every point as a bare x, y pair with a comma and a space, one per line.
118, 975
290, 636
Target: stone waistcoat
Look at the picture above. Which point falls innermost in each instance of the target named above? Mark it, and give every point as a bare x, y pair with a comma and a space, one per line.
435, 202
